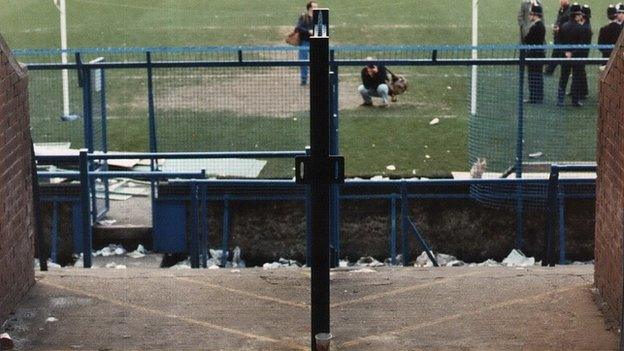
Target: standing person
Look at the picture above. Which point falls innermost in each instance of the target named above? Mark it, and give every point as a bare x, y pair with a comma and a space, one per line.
304, 27
585, 39
535, 36
609, 33
563, 16
374, 83
524, 17
571, 34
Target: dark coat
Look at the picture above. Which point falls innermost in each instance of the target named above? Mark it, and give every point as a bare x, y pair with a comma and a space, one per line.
609, 35
563, 16
373, 82
304, 25
536, 36
573, 33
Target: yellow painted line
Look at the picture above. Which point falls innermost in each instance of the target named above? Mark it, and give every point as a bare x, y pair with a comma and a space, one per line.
453, 317
402, 290
246, 293
193, 321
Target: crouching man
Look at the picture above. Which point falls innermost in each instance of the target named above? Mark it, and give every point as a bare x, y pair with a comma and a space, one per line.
374, 83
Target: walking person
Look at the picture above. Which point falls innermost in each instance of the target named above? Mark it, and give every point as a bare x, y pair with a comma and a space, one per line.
610, 33
563, 16
374, 83
535, 36
571, 34
304, 27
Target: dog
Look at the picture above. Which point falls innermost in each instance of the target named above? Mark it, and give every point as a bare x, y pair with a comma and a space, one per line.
397, 84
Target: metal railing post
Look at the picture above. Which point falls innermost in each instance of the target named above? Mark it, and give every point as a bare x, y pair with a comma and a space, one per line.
404, 225
393, 230
226, 229
519, 241
85, 208
319, 174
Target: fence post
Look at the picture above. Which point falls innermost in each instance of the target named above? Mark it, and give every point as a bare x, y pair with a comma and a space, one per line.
519, 242
85, 208
334, 150
194, 232
319, 173
226, 229
404, 225
393, 231
562, 232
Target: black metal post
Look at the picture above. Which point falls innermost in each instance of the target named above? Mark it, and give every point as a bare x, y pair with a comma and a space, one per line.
319, 172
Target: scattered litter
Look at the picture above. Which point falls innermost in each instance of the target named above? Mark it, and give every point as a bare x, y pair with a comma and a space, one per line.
50, 264
110, 250
235, 271
443, 260
5, 342
107, 222
216, 254
51, 320
391, 167
517, 259
368, 261
140, 252
343, 263
236, 258
213, 266
448, 87
434, 121
281, 263
186, 264
427, 156
536, 154
487, 263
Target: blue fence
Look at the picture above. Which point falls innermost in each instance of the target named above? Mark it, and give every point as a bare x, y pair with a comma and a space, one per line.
197, 114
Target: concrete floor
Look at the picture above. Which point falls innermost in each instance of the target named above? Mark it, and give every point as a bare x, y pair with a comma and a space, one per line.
483, 308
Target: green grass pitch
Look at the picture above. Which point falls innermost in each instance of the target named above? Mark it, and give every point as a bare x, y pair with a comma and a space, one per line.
370, 139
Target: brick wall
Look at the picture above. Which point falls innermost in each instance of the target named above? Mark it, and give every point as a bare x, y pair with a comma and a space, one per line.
610, 182
16, 220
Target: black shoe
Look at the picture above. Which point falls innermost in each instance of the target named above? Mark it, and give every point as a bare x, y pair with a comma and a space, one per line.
577, 104
367, 104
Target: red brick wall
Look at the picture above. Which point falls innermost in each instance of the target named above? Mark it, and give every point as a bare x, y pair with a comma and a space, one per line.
16, 219
610, 182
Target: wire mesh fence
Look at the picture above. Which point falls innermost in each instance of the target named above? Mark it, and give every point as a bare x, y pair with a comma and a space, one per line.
252, 99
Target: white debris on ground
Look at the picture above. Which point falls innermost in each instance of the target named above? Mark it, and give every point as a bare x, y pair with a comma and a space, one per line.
110, 250
50, 264
434, 121
443, 260
368, 261
51, 320
517, 259
281, 263
391, 167
140, 252
487, 263
214, 262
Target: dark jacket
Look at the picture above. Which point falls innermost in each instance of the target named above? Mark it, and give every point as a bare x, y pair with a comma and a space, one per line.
536, 36
304, 25
373, 82
609, 35
563, 16
573, 33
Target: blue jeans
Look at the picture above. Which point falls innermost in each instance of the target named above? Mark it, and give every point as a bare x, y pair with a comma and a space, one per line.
381, 91
303, 56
